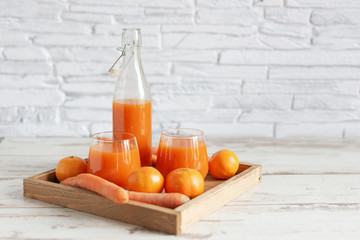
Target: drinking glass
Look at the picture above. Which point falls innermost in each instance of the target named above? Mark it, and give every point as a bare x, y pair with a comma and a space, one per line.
113, 156
182, 148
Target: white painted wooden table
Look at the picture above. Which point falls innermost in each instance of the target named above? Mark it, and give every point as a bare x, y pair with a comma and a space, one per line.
310, 190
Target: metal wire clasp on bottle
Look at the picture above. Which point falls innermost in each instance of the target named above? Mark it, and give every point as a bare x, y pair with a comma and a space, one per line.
123, 53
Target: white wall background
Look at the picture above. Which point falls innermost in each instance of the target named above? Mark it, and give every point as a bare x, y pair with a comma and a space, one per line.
271, 68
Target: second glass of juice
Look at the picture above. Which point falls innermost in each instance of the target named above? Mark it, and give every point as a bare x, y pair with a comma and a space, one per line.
113, 156
182, 148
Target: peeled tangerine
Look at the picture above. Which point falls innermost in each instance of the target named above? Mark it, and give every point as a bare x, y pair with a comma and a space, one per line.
223, 164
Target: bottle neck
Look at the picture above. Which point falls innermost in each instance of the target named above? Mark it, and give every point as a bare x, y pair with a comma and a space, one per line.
131, 56
131, 82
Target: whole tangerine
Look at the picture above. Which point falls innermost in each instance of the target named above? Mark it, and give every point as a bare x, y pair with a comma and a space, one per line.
186, 181
70, 167
223, 164
146, 179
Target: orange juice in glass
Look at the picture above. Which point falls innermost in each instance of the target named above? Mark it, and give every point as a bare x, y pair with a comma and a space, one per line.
113, 156
182, 148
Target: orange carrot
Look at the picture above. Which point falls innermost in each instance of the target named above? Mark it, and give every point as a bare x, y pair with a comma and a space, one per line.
153, 159
154, 150
99, 185
169, 200
119, 195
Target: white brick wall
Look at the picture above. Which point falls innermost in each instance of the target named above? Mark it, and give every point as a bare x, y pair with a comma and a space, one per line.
268, 68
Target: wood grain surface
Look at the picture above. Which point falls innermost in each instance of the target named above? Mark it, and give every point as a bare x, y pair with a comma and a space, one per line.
45, 187
310, 190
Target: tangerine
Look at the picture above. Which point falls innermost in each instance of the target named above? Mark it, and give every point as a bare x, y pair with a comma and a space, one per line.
70, 167
146, 179
223, 164
187, 181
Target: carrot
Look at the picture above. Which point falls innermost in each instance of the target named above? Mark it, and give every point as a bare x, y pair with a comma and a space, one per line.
169, 200
99, 185
119, 195
153, 159
154, 150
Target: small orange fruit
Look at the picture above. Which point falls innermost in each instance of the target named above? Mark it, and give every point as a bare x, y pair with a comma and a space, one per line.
70, 167
146, 179
186, 181
223, 164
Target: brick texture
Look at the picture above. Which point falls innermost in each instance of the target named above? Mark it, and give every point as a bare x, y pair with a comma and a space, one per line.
257, 68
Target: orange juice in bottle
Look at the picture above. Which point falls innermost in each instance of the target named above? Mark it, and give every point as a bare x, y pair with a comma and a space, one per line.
132, 98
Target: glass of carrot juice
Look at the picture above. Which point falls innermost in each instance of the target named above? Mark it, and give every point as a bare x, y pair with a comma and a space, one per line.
182, 148
113, 156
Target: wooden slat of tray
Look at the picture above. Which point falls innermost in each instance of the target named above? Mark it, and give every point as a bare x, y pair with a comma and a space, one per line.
44, 187
218, 196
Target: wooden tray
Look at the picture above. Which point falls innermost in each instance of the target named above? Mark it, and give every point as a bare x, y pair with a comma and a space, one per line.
46, 188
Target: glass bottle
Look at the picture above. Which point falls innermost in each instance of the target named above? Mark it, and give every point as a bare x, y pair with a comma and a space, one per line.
132, 98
